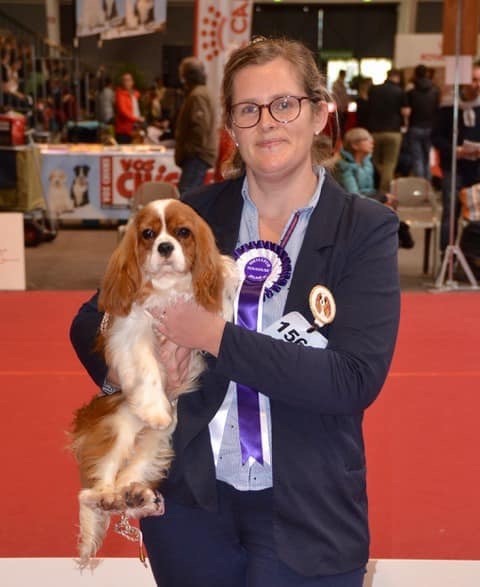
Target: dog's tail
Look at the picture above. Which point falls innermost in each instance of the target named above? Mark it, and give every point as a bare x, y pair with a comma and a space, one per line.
93, 526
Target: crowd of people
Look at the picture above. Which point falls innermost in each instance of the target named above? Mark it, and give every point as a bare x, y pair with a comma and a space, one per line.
397, 127
403, 120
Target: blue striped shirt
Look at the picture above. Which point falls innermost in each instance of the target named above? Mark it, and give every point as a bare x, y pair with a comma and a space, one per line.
229, 468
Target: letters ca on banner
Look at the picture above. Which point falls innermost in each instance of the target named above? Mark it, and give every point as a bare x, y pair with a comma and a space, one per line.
121, 176
113, 19
222, 25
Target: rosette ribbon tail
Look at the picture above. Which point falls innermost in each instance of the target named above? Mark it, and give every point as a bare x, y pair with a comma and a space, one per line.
266, 268
247, 398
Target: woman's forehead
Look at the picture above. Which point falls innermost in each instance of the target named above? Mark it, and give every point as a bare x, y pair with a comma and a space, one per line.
274, 78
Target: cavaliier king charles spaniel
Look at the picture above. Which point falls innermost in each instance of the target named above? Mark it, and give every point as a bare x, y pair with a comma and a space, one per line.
122, 442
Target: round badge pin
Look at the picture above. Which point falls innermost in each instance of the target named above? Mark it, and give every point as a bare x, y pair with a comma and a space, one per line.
322, 305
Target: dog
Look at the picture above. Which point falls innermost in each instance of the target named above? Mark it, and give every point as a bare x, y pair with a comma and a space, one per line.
79, 190
122, 442
93, 14
143, 10
58, 197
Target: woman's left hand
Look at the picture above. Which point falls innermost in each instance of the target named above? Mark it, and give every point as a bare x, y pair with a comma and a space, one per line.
189, 325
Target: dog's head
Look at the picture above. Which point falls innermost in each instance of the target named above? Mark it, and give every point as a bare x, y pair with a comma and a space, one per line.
57, 178
81, 170
166, 242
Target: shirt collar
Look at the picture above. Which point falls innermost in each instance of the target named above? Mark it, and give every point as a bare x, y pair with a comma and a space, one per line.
319, 172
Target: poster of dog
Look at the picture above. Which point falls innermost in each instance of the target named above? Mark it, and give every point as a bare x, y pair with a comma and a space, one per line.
79, 189
119, 18
58, 194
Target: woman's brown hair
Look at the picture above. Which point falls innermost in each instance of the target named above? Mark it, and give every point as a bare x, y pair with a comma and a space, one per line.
259, 52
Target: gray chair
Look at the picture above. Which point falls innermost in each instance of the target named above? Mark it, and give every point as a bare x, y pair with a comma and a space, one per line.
148, 192
417, 206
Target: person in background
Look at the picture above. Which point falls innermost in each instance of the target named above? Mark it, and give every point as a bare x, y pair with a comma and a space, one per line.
468, 157
275, 496
127, 110
340, 95
355, 172
106, 102
196, 127
387, 115
423, 100
361, 116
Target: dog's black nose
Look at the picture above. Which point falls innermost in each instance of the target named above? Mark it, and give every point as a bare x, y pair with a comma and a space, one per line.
165, 249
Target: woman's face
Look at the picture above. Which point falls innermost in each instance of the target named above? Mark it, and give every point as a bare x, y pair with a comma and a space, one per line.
364, 146
274, 149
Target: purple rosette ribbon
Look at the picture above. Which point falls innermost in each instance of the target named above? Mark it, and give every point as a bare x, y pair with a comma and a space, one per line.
266, 267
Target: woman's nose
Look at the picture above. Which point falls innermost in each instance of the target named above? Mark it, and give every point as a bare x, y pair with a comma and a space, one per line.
266, 119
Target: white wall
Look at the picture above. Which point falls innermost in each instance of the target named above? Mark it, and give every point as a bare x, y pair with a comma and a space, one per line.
119, 572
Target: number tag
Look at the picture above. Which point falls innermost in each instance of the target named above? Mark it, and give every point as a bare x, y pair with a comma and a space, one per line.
293, 327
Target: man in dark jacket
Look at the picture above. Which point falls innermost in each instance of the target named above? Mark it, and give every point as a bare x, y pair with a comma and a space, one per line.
196, 131
423, 100
387, 109
467, 155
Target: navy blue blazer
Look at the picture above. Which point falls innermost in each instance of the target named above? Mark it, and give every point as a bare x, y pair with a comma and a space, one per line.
318, 396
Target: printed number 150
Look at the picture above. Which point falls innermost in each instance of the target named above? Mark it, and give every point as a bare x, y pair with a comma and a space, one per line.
290, 335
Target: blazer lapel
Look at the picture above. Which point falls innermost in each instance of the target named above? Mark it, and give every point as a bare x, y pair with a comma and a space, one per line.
225, 214
313, 265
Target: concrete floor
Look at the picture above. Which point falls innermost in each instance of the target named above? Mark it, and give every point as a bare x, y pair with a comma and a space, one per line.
77, 258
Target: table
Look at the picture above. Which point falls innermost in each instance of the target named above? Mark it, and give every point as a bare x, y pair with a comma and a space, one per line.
20, 188
110, 176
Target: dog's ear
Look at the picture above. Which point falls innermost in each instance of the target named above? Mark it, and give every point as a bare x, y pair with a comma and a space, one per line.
207, 273
86, 169
76, 169
123, 277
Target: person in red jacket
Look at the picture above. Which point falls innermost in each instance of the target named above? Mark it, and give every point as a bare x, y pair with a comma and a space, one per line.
127, 110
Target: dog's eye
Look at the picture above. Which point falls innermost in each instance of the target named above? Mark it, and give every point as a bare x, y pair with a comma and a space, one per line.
148, 234
183, 232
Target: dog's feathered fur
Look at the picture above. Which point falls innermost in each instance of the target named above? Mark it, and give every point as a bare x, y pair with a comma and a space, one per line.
122, 442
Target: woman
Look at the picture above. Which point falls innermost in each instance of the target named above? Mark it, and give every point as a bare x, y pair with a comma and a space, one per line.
354, 169
127, 110
355, 172
286, 505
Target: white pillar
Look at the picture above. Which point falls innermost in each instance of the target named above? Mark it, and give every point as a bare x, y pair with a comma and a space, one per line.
407, 15
52, 9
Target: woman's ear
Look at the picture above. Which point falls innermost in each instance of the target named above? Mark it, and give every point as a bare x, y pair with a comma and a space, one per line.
320, 117
232, 135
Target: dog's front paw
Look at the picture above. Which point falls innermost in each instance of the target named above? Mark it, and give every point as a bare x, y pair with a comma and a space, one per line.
112, 502
107, 500
143, 500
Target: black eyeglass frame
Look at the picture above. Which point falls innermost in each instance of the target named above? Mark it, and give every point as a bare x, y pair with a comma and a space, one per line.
269, 108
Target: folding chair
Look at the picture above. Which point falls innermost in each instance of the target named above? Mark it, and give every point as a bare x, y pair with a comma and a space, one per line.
148, 192
417, 207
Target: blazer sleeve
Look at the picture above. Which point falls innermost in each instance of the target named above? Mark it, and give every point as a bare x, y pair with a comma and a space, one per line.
83, 334
346, 377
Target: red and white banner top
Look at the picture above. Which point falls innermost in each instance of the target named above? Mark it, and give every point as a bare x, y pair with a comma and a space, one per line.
220, 27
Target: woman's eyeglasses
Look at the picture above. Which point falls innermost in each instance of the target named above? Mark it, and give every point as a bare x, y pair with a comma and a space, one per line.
284, 109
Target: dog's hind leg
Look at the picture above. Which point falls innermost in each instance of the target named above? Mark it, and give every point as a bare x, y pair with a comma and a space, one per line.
137, 481
93, 527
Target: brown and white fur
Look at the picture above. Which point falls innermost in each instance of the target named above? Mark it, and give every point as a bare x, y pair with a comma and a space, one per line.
122, 442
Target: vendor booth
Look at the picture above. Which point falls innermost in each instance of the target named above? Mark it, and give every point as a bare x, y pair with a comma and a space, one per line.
95, 182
